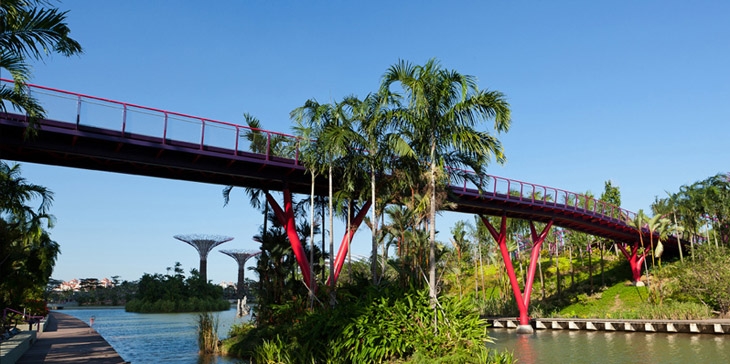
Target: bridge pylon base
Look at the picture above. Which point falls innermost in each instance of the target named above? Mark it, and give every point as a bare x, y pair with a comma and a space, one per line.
522, 298
525, 329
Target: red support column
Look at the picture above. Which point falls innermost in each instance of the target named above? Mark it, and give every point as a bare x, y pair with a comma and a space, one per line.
344, 246
286, 218
534, 256
501, 239
522, 299
635, 261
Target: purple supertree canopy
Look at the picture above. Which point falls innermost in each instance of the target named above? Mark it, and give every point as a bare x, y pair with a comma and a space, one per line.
204, 243
241, 256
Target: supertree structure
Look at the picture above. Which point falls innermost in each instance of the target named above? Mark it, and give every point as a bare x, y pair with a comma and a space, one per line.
241, 256
204, 244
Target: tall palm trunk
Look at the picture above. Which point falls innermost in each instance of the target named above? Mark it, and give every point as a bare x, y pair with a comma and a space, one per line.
266, 221
332, 241
311, 244
603, 277
323, 241
349, 240
676, 233
557, 267
590, 266
572, 272
432, 232
374, 218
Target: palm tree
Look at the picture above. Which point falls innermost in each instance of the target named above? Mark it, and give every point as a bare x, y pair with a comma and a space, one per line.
486, 248
635, 259
438, 129
612, 196
689, 212
324, 139
16, 192
462, 245
715, 200
370, 137
29, 32
27, 253
261, 143
657, 224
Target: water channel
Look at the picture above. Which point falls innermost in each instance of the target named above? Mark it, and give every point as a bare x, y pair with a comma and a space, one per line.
154, 338
567, 346
171, 338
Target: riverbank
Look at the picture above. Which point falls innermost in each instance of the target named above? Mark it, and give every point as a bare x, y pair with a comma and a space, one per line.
168, 338
66, 339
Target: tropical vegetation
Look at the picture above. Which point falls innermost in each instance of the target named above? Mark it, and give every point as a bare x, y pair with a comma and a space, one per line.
173, 292
92, 292
29, 31
395, 152
27, 252
389, 152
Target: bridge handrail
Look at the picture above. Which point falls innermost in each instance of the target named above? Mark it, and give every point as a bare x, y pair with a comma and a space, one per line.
26, 317
547, 196
508, 188
81, 98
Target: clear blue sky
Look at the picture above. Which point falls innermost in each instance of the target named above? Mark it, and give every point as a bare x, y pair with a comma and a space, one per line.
637, 92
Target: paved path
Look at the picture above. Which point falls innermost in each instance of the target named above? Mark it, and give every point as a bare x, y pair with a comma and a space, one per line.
67, 339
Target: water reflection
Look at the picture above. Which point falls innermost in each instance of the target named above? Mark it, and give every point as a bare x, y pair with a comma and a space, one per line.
171, 338
526, 350
155, 338
563, 346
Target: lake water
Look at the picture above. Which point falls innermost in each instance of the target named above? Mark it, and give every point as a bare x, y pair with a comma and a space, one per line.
171, 338
154, 338
564, 346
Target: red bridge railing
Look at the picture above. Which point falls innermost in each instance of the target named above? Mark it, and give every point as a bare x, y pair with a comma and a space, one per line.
135, 119
535, 194
128, 118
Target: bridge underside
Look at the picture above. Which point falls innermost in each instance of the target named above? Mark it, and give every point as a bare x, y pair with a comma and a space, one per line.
470, 201
77, 146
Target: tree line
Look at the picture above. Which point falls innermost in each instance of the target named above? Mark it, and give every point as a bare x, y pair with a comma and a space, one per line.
393, 152
29, 31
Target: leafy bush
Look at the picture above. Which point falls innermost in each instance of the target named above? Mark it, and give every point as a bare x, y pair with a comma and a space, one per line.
272, 352
706, 278
378, 325
175, 293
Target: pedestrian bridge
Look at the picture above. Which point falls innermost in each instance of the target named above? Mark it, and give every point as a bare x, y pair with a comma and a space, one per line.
90, 132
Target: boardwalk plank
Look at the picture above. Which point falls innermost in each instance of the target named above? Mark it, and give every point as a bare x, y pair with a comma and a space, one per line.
67, 339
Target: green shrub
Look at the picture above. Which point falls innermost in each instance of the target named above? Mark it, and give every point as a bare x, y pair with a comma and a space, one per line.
207, 327
706, 278
272, 352
379, 325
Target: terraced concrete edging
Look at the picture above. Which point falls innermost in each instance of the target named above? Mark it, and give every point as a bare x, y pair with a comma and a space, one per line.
720, 327
12, 349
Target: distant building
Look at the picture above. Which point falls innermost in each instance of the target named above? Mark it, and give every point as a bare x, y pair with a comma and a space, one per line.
74, 285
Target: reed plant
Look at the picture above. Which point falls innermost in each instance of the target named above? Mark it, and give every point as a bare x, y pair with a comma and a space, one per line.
208, 341
272, 352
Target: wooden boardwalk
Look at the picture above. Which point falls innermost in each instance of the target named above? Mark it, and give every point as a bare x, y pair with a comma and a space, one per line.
67, 339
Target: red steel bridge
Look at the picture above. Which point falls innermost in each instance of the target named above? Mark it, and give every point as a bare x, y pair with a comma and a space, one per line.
89, 132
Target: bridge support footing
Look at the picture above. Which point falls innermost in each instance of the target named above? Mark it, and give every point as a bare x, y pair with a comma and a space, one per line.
521, 297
